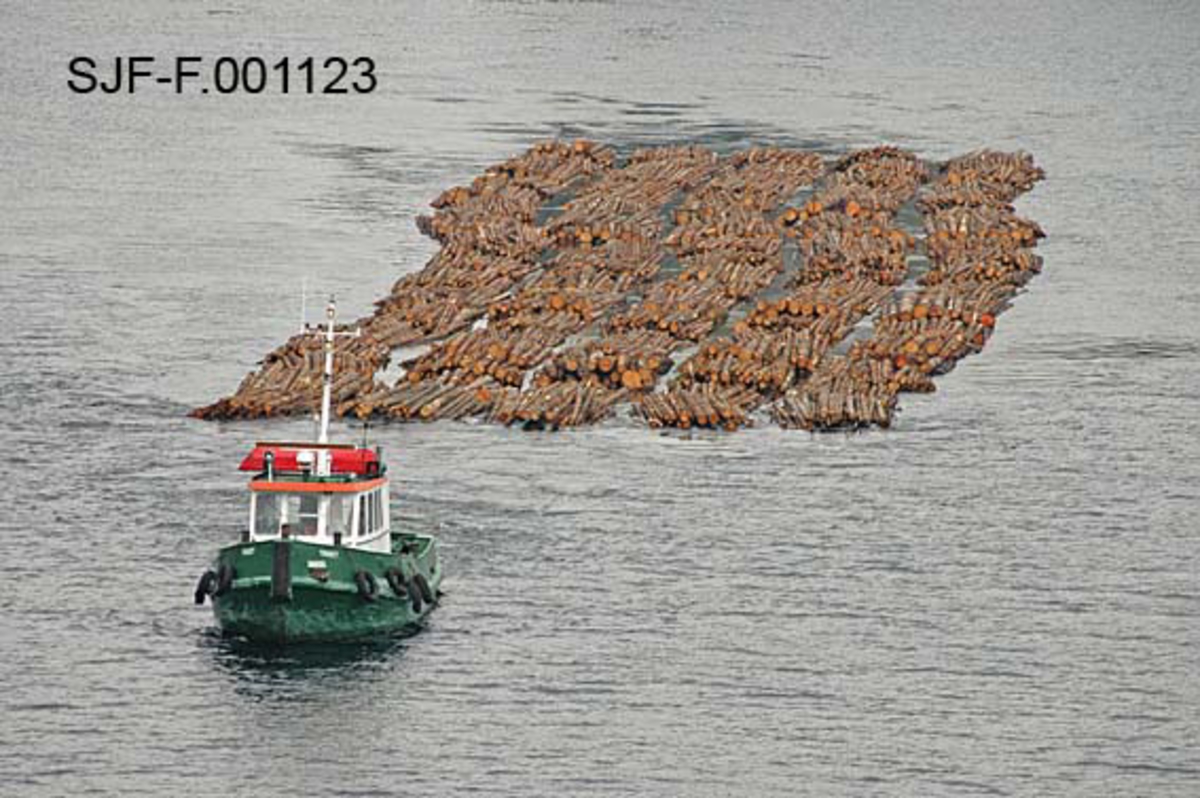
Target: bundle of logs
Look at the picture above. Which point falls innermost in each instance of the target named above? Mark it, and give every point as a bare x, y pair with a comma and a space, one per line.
570, 282
563, 404
628, 202
290, 379
706, 406
846, 228
424, 401
845, 392
843, 300
981, 243
765, 361
632, 361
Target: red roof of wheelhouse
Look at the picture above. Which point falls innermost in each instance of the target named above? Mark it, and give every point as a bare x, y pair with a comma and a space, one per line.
343, 460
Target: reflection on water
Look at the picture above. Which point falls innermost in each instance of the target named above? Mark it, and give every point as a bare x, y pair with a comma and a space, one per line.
258, 668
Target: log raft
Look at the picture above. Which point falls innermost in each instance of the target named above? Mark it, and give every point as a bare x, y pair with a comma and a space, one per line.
571, 282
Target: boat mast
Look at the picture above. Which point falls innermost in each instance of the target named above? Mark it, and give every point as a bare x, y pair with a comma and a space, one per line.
327, 380
328, 334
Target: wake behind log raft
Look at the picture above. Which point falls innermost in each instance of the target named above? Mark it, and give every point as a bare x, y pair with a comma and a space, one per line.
687, 288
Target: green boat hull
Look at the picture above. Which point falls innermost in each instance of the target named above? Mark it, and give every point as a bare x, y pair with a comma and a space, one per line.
319, 593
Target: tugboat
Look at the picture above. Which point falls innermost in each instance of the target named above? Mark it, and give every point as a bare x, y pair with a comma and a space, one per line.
319, 560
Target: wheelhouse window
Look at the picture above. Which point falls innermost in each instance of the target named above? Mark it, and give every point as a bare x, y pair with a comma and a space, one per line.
299, 513
341, 513
266, 514
370, 513
308, 513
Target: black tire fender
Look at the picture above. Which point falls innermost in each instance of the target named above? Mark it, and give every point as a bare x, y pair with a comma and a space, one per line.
422, 585
206, 586
368, 588
395, 580
225, 576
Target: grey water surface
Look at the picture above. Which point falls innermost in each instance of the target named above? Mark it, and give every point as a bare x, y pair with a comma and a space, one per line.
1000, 596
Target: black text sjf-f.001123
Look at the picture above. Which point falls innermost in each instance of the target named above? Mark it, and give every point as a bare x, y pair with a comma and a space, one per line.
187, 74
